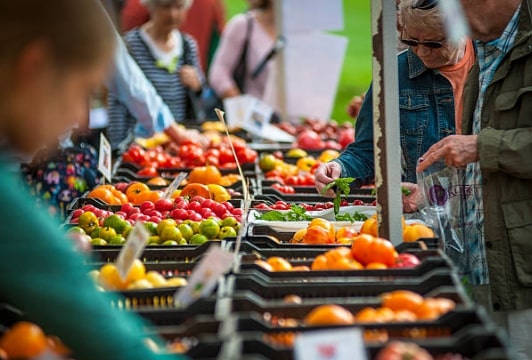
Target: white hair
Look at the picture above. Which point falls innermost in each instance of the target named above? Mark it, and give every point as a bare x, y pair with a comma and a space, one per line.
151, 4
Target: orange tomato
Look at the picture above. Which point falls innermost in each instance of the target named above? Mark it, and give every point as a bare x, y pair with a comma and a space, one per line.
264, 265
345, 232
109, 278
298, 236
24, 340
360, 248
279, 264
414, 232
134, 190
370, 227
329, 315
104, 194
366, 315
405, 316
158, 181
325, 224
376, 266
229, 179
205, 175
433, 308
345, 264
384, 314
338, 253
196, 189
319, 263
300, 268
402, 300
382, 251
317, 235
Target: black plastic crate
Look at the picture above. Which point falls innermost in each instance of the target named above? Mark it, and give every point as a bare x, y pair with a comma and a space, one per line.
162, 254
172, 316
339, 288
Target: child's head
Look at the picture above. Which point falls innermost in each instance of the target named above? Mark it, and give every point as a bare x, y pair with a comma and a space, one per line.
54, 53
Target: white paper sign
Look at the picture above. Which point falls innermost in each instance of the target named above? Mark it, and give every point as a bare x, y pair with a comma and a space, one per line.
313, 63
174, 185
253, 115
104, 158
214, 263
310, 15
132, 249
335, 344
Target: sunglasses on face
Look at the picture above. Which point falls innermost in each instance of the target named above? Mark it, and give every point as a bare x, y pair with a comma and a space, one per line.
424, 4
429, 44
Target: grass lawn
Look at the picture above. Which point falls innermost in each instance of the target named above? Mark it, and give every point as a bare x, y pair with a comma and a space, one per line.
356, 72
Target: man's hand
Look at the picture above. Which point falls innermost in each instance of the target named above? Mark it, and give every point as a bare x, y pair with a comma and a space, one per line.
178, 134
354, 106
325, 174
456, 150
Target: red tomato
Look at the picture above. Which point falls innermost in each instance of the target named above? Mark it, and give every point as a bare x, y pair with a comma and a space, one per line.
148, 172
246, 155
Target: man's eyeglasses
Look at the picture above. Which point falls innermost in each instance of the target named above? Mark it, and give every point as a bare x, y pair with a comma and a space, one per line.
424, 4
429, 44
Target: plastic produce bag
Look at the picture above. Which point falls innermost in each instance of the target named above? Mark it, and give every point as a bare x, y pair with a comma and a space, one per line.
442, 205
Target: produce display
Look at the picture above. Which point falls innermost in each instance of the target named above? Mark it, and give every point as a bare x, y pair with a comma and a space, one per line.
305, 262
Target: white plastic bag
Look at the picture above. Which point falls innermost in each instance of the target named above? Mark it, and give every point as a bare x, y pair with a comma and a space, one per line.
442, 204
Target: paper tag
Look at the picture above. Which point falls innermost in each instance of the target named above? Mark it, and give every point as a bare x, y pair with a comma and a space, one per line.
132, 249
215, 263
104, 159
174, 185
337, 344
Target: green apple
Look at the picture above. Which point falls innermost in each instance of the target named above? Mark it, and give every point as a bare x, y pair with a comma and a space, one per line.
171, 233
198, 239
164, 223
116, 222
154, 240
107, 233
230, 221
76, 230
170, 243
186, 231
210, 228
227, 231
151, 227
98, 242
127, 230
117, 240
193, 224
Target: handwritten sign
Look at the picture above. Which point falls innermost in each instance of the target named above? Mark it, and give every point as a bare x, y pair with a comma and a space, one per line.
215, 263
337, 344
132, 249
104, 158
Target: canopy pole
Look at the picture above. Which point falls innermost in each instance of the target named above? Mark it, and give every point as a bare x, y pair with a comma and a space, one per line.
386, 120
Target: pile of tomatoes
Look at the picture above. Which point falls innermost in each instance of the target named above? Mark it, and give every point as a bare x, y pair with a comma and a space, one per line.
189, 154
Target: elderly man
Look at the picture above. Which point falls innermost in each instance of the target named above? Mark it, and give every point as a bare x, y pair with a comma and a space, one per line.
496, 151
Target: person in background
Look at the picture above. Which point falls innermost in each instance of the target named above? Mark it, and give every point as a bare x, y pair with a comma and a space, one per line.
432, 74
54, 54
205, 22
258, 29
495, 149
169, 60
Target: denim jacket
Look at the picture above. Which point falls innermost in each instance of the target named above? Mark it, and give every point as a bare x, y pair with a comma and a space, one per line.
426, 108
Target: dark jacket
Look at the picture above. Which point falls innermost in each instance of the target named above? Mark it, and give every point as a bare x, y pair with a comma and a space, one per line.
426, 109
505, 150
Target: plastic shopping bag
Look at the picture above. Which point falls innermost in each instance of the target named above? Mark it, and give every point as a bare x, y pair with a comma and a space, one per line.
442, 205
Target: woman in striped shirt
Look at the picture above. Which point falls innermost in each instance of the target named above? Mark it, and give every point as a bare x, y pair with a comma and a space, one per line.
169, 59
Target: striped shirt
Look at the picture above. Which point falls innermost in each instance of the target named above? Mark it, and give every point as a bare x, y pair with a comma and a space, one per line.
489, 57
167, 84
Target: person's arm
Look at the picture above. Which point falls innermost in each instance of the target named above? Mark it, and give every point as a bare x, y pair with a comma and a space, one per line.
357, 159
44, 277
227, 56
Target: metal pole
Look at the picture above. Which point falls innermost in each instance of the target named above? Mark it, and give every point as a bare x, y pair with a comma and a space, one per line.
386, 120
280, 69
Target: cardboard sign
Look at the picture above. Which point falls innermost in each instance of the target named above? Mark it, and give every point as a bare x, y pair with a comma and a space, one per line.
337, 344
132, 249
104, 158
214, 263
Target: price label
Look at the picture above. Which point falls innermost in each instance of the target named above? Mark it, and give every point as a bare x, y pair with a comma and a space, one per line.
132, 249
174, 185
337, 344
215, 263
104, 158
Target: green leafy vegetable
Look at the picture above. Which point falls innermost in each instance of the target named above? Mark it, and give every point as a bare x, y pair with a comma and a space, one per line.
341, 187
404, 190
296, 213
356, 216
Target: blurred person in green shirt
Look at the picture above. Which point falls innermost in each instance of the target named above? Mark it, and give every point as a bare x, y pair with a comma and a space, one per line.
54, 54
